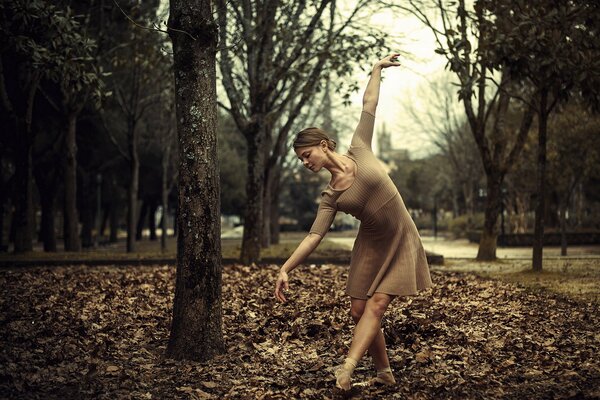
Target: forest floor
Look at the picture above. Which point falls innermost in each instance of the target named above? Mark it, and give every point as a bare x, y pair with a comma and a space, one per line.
76, 332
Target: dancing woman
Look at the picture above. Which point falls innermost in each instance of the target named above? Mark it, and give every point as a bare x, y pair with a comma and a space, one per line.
388, 258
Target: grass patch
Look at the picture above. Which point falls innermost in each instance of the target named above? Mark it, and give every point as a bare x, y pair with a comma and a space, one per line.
575, 278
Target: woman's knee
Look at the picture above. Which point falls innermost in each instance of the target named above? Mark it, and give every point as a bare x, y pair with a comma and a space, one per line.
357, 308
377, 304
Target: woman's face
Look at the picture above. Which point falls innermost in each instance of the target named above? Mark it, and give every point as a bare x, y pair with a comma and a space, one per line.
312, 157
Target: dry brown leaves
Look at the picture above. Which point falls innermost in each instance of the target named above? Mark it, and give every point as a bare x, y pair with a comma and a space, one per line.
101, 332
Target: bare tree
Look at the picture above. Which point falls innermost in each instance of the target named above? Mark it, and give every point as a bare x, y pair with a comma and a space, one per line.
282, 53
463, 37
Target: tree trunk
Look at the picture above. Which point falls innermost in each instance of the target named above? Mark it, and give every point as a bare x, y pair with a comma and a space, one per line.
2, 213
87, 206
142, 215
47, 228
489, 235
114, 222
254, 199
71, 219
275, 191
164, 191
134, 170
196, 330
267, 202
24, 193
151, 219
538, 232
563, 228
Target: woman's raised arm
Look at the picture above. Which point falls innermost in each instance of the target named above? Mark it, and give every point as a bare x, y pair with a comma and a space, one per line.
371, 95
363, 135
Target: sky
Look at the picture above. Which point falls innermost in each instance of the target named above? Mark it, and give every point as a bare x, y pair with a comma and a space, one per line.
404, 84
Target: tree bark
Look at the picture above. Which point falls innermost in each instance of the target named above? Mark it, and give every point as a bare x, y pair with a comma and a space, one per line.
275, 190
142, 215
164, 192
113, 222
71, 218
88, 208
538, 233
196, 330
253, 217
134, 171
267, 205
47, 194
563, 228
24, 223
489, 235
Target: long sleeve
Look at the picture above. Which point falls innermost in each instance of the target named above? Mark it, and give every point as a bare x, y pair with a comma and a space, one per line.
325, 215
363, 135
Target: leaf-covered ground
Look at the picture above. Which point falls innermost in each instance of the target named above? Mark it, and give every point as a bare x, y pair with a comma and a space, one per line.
81, 332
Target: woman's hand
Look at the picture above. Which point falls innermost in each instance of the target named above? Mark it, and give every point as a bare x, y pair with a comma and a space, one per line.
389, 61
281, 285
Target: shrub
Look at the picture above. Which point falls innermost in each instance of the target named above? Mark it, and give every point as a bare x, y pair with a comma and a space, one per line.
462, 224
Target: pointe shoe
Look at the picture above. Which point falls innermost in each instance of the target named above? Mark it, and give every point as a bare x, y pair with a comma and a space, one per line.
383, 378
343, 379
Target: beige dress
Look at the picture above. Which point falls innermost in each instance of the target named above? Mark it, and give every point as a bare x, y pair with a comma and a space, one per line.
388, 256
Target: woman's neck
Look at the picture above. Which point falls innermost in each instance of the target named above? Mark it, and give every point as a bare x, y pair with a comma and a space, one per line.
339, 166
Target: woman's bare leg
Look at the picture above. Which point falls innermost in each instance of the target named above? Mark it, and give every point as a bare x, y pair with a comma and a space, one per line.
366, 334
377, 350
369, 325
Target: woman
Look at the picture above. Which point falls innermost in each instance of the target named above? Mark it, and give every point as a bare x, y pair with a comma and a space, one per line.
388, 259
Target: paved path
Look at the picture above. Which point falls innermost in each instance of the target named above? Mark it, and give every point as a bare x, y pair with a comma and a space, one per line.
462, 248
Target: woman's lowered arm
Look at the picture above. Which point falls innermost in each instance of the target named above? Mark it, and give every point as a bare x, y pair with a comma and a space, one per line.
304, 249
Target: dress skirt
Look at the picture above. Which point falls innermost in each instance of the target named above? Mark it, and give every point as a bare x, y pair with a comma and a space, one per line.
388, 256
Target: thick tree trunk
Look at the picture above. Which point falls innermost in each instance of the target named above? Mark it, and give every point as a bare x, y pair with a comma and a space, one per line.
134, 171
196, 330
538, 232
253, 217
71, 218
489, 235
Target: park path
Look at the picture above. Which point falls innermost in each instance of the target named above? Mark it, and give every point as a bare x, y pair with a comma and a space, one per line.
462, 248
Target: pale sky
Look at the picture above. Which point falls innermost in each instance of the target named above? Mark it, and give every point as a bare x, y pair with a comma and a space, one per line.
401, 84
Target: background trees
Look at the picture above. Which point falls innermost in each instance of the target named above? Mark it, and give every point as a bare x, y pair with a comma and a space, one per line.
274, 55
273, 81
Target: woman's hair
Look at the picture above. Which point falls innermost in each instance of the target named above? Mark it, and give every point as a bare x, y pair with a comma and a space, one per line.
312, 137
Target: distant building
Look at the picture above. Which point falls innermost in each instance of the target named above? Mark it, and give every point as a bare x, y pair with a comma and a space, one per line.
385, 151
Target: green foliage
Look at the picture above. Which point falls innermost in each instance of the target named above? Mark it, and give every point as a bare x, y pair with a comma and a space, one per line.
551, 44
51, 40
461, 225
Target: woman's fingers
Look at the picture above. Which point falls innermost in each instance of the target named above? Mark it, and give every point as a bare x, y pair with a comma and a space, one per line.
279, 287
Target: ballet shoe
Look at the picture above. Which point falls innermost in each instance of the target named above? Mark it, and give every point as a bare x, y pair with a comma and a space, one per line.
343, 379
385, 378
